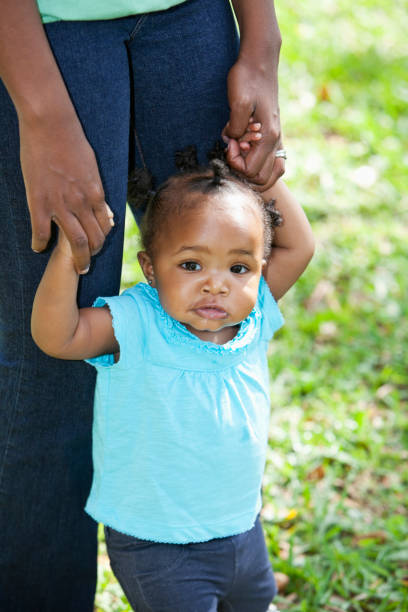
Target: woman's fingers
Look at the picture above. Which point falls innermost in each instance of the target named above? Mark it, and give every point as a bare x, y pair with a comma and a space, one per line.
85, 230
234, 156
273, 168
245, 156
257, 156
41, 229
240, 115
93, 230
252, 135
63, 184
267, 123
104, 217
110, 214
78, 241
71, 232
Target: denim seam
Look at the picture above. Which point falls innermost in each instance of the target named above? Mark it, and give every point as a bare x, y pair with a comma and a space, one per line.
234, 566
20, 373
139, 586
125, 585
132, 36
129, 590
137, 27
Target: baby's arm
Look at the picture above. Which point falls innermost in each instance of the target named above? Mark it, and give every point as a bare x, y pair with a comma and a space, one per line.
58, 327
293, 244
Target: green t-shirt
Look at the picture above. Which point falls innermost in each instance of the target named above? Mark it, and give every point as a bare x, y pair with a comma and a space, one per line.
91, 10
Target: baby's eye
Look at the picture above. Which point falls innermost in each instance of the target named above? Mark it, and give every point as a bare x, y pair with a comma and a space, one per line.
239, 269
191, 266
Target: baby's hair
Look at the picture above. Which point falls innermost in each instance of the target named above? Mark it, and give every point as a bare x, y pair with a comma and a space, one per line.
172, 197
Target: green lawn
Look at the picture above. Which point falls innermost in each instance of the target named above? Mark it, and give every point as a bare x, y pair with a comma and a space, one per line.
335, 495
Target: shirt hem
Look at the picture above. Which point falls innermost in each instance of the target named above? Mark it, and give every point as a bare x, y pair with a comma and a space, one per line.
211, 534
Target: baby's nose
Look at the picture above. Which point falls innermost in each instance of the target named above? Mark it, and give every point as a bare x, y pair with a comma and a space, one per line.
215, 284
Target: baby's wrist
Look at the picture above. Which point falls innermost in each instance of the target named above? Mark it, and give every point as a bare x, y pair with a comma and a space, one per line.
64, 255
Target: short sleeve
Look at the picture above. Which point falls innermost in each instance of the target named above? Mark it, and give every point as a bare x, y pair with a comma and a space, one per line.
272, 318
127, 319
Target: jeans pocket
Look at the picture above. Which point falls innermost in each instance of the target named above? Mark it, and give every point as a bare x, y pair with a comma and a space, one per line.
143, 559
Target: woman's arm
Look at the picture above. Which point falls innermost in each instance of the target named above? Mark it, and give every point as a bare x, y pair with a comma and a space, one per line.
58, 327
253, 91
59, 167
293, 244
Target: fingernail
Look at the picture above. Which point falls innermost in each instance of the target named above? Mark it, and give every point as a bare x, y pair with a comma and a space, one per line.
258, 135
35, 250
85, 271
112, 222
225, 139
256, 126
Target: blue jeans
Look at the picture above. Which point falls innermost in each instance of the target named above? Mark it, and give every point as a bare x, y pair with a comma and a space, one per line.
166, 72
223, 575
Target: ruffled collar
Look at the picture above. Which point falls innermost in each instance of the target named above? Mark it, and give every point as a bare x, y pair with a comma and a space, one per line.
176, 332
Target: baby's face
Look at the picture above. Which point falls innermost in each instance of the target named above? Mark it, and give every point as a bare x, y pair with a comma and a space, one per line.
208, 266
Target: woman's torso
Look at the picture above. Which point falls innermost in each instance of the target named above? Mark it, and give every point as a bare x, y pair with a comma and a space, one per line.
91, 10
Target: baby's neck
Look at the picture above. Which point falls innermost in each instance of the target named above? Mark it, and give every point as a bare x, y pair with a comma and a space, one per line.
222, 336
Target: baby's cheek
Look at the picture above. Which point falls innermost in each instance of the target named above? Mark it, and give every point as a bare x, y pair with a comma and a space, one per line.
246, 305
251, 295
172, 302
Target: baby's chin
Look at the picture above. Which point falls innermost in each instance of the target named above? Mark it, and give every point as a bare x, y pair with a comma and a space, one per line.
213, 325
210, 326
222, 335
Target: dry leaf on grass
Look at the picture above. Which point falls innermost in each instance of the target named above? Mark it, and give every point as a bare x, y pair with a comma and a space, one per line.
379, 536
282, 581
316, 474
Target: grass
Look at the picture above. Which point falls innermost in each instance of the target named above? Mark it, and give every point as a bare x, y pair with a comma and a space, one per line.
335, 494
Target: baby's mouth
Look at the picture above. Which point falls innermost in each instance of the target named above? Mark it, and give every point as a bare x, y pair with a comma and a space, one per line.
211, 312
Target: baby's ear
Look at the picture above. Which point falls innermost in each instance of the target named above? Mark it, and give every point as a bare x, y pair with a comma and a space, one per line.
147, 267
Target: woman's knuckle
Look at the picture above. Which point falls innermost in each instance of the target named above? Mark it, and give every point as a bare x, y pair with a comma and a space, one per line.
95, 193
77, 199
241, 103
36, 196
80, 242
98, 244
252, 173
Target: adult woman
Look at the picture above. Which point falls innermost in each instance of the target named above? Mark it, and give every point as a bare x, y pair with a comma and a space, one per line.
73, 91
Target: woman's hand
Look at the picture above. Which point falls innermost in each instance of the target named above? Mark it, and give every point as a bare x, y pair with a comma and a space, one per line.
64, 246
63, 185
59, 167
253, 93
250, 98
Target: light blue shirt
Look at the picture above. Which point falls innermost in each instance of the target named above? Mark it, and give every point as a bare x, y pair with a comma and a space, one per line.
181, 425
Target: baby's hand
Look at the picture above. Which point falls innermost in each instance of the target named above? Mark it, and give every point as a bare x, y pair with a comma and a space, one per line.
63, 244
238, 149
251, 137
